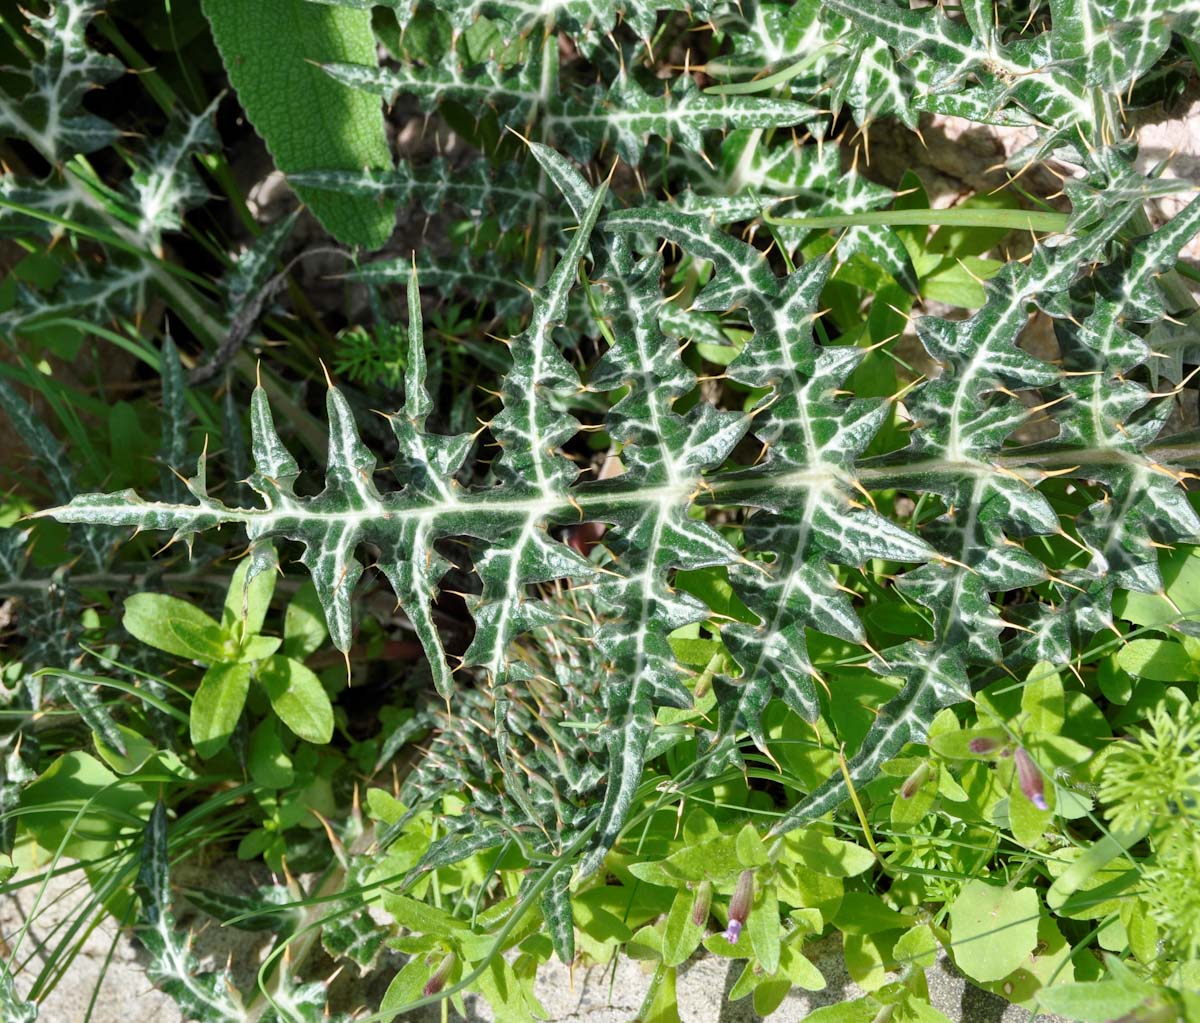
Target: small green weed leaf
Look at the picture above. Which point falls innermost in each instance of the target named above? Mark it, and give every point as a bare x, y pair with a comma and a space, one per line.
1043, 703
992, 929
269, 765
656, 874
1161, 660
272, 50
681, 936
1089, 883
909, 808
79, 808
806, 921
916, 948
717, 860
957, 745
1141, 929
257, 648
863, 913
511, 997
717, 944
383, 806
135, 750
1050, 964
421, 918
812, 848
1027, 823
819, 892
867, 957
751, 852
698, 827
798, 969
217, 706
860, 1010
406, 987
763, 925
176, 627
769, 994
1092, 1002
304, 624
646, 945
1180, 599
250, 592
661, 1004
298, 698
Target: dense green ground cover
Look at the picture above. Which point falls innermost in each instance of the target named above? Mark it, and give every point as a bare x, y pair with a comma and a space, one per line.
609, 518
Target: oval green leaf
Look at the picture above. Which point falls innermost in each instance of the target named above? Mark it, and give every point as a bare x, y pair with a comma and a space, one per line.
298, 698
217, 706
175, 627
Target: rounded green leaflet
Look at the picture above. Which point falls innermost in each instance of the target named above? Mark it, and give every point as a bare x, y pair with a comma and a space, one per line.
298, 698
993, 929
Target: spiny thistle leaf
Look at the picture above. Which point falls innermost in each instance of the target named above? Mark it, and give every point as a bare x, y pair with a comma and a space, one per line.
475, 189
47, 110
209, 997
805, 503
622, 115
590, 20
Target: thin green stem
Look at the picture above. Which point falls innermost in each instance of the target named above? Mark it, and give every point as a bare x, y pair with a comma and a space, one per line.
770, 81
1016, 220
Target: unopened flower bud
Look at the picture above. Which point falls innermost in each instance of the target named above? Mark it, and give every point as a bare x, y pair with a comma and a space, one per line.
981, 744
701, 903
1030, 778
440, 976
739, 906
915, 780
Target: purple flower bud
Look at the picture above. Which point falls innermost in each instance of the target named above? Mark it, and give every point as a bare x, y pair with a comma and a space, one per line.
1030, 778
982, 744
440, 976
701, 903
739, 906
915, 780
